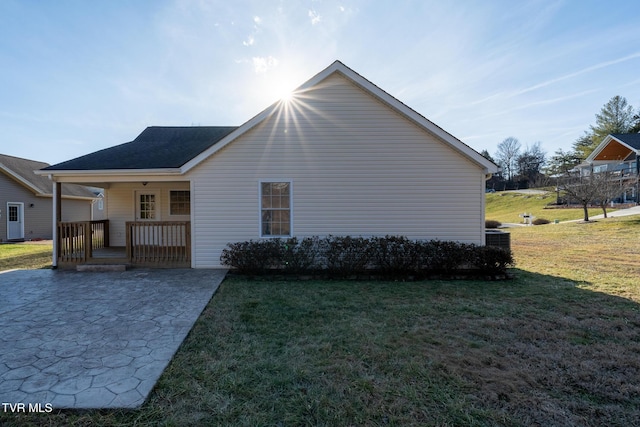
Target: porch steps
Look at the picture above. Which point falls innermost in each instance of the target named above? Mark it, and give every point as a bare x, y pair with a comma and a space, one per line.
101, 267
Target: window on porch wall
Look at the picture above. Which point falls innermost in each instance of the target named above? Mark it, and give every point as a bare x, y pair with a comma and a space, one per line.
179, 202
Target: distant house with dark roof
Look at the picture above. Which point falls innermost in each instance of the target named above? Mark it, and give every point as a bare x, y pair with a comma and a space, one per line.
26, 201
342, 157
617, 153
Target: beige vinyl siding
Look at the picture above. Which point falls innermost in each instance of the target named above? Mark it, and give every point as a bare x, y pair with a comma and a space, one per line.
356, 166
120, 205
38, 219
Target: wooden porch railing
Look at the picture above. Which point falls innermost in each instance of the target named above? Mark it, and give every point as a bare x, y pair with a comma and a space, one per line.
78, 240
159, 243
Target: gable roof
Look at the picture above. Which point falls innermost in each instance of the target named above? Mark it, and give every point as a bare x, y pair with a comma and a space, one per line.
631, 140
22, 171
179, 149
358, 80
157, 147
628, 144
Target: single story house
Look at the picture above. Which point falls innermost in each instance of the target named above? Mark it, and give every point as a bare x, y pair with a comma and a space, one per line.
340, 157
26, 201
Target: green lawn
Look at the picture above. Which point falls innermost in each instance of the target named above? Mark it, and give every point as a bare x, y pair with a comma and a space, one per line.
557, 345
506, 207
25, 255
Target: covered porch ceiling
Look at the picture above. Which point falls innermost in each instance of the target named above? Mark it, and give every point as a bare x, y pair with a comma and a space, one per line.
613, 151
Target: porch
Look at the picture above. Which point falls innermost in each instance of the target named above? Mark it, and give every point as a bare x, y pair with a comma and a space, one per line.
159, 244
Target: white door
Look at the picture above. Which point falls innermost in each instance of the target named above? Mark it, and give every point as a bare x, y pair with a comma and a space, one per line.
15, 221
147, 206
147, 210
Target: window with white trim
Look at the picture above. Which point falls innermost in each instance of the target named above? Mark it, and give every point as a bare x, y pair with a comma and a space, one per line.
275, 209
179, 202
147, 206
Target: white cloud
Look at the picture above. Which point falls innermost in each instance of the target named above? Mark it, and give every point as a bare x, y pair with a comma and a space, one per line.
315, 17
577, 73
249, 41
257, 20
262, 64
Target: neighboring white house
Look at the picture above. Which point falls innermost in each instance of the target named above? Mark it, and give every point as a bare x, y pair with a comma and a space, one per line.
26, 201
341, 157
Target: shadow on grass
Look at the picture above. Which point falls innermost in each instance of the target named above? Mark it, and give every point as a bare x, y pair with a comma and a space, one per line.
37, 261
534, 350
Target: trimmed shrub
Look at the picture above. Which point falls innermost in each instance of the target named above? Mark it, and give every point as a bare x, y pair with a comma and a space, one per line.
254, 256
347, 257
443, 256
492, 259
301, 256
394, 255
492, 223
540, 221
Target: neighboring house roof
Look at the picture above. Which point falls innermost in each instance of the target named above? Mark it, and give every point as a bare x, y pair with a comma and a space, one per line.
179, 149
630, 139
157, 147
616, 146
22, 171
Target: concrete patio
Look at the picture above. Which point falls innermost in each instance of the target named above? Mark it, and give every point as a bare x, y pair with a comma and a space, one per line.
94, 340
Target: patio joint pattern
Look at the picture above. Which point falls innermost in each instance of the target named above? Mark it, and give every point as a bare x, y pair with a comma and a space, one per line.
94, 340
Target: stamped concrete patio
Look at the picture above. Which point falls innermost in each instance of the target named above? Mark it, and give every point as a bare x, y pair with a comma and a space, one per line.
94, 340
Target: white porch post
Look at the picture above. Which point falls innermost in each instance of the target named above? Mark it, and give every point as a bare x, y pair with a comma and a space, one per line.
57, 213
192, 242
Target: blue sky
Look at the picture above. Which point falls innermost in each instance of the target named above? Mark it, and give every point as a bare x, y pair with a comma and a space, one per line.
79, 76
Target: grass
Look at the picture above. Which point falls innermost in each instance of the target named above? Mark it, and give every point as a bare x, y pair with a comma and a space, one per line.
25, 255
507, 206
557, 345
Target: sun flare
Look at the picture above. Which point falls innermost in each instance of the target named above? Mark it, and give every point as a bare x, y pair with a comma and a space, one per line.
283, 86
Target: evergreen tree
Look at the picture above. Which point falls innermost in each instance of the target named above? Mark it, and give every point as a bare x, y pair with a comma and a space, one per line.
562, 162
616, 116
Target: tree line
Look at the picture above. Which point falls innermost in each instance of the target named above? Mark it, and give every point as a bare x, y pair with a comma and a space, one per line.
529, 166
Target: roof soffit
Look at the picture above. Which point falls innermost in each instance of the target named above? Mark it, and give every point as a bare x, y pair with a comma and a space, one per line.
610, 149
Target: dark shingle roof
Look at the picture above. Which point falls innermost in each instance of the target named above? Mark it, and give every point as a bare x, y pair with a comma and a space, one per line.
23, 168
157, 147
631, 139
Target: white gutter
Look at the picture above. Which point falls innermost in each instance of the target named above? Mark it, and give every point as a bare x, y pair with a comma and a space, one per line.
110, 172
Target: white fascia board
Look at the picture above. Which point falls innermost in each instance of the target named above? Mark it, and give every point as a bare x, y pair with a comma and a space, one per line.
109, 175
599, 148
229, 138
607, 139
337, 66
410, 113
20, 179
64, 196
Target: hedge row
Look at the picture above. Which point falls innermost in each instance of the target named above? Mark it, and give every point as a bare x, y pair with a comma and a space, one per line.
343, 257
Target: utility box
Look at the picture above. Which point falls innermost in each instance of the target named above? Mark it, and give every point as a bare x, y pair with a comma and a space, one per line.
498, 238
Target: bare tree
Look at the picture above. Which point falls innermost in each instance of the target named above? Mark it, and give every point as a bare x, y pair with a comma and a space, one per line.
508, 151
611, 186
600, 188
529, 164
580, 188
